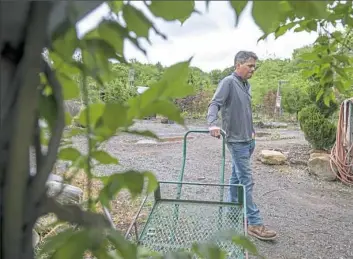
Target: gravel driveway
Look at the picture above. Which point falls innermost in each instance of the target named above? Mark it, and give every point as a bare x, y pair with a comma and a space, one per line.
314, 219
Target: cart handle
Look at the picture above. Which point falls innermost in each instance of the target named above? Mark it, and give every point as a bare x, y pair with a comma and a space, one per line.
181, 177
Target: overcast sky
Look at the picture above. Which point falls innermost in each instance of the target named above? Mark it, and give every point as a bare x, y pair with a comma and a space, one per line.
210, 37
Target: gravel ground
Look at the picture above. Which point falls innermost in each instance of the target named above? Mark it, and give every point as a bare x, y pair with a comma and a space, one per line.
313, 218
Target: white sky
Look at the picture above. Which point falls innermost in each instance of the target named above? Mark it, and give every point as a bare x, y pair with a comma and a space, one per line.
210, 37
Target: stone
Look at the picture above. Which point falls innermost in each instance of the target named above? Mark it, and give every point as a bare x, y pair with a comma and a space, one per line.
70, 194
45, 223
55, 177
72, 107
146, 141
319, 165
164, 120
272, 157
35, 238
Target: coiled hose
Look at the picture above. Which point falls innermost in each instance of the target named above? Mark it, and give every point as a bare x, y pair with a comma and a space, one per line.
342, 152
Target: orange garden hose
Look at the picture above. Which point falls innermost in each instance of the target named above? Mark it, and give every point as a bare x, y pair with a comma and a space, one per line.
342, 152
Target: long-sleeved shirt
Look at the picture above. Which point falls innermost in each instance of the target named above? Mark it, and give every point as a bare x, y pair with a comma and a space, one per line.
233, 98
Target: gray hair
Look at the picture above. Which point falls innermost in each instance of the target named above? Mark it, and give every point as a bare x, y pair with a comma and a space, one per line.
242, 56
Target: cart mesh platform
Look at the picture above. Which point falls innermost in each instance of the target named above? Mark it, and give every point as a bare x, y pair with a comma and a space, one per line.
201, 215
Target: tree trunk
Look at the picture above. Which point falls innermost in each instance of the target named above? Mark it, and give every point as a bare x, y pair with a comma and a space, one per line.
25, 27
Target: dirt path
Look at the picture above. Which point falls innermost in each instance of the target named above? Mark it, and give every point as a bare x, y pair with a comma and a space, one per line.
314, 219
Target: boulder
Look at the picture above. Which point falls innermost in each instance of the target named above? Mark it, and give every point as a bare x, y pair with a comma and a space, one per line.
72, 107
35, 238
55, 178
70, 194
272, 157
319, 165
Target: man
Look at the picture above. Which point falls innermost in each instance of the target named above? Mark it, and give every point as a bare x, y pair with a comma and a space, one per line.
233, 98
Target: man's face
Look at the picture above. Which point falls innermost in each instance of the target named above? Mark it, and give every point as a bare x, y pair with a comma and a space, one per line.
247, 69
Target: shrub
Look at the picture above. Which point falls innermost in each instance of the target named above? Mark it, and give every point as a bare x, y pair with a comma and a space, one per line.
319, 131
197, 104
325, 110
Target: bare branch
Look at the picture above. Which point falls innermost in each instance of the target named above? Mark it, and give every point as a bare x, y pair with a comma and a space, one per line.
74, 214
15, 207
37, 186
37, 145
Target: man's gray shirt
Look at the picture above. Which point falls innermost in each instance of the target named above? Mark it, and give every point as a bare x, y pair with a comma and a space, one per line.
233, 98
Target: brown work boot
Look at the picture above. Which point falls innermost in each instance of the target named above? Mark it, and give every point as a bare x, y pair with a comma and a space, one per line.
261, 232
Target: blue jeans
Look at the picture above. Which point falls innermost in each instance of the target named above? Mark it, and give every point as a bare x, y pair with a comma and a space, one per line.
242, 174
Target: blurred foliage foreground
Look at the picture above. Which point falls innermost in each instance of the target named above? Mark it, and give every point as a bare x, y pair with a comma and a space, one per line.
40, 83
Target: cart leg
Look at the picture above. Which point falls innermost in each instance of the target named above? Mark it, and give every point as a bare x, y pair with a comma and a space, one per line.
136, 233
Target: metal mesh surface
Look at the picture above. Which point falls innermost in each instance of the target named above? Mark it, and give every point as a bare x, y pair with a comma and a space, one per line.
177, 225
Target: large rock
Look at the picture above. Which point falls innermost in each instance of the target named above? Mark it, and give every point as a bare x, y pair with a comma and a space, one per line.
70, 194
319, 165
272, 157
72, 107
55, 178
35, 238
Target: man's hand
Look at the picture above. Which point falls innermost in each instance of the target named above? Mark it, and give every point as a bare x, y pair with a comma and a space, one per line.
215, 131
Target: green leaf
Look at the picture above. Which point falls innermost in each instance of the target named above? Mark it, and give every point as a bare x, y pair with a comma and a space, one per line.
337, 35
268, 14
130, 180
310, 9
163, 107
339, 85
208, 251
68, 119
152, 183
124, 248
115, 6
327, 99
96, 57
61, 66
65, 40
104, 158
75, 246
312, 25
74, 132
328, 76
342, 73
136, 21
54, 242
309, 56
115, 116
245, 243
342, 58
69, 86
69, 154
95, 112
173, 84
172, 10
110, 32
238, 7
157, 99
48, 110
281, 30
308, 73
319, 94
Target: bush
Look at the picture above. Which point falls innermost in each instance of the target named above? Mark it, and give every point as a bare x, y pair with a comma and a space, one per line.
195, 105
319, 131
325, 110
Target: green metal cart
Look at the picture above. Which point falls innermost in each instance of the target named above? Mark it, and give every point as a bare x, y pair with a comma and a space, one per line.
175, 222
